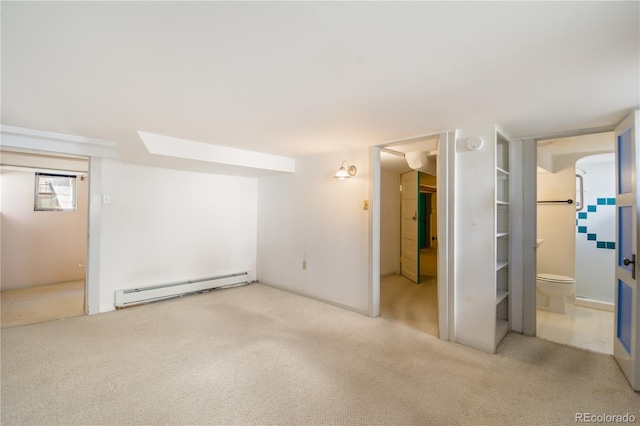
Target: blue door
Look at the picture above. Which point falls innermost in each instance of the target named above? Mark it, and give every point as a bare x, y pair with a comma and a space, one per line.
626, 347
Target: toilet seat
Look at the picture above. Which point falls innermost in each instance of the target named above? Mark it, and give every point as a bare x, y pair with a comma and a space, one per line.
553, 278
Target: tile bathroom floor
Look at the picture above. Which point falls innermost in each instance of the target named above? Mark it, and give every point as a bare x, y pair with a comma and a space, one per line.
580, 327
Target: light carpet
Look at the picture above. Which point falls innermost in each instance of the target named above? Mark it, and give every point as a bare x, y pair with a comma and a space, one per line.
414, 305
257, 355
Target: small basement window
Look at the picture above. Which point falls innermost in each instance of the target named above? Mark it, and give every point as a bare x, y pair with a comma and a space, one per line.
55, 192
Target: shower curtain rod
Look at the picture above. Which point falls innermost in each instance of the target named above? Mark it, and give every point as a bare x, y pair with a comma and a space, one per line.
569, 201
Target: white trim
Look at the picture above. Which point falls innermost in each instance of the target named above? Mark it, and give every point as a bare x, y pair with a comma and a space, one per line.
374, 232
41, 141
92, 287
516, 234
476, 344
529, 236
446, 272
315, 297
594, 304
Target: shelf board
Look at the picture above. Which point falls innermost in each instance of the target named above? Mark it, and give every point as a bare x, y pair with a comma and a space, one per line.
501, 295
502, 234
502, 203
502, 171
501, 265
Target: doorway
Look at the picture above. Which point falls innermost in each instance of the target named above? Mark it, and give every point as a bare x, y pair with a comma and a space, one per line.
45, 204
577, 239
409, 233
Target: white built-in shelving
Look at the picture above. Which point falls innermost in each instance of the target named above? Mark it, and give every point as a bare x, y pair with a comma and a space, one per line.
502, 241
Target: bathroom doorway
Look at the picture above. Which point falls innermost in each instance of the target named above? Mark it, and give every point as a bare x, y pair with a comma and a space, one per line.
576, 234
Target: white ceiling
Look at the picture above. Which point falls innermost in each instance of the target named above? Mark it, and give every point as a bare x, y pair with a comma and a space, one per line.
583, 144
299, 78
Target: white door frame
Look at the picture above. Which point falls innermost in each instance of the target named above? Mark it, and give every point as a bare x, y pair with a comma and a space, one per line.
445, 176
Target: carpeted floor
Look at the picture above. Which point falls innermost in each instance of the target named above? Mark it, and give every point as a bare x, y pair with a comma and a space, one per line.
413, 305
257, 355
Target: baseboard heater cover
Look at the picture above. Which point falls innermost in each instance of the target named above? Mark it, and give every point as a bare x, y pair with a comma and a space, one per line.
136, 296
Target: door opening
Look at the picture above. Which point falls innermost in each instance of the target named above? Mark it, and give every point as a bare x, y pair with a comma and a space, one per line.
408, 250
575, 232
45, 210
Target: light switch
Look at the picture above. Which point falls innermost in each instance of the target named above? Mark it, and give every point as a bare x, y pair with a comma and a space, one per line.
106, 199
365, 205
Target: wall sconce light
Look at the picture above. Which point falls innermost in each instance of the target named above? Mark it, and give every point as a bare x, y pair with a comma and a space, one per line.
345, 173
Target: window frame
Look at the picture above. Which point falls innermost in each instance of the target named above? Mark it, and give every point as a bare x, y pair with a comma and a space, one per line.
37, 204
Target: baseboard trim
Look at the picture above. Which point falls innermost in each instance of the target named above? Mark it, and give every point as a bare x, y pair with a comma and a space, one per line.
317, 298
481, 346
594, 304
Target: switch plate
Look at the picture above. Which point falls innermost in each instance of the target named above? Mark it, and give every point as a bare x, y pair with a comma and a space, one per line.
106, 199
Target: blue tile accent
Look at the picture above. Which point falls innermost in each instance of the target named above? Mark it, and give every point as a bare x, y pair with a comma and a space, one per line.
625, 313
610, 245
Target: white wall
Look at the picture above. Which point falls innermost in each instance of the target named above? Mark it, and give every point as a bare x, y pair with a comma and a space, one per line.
595, 266
557, 223
167, 225
310, 216
389, 223
40, 247
475, 231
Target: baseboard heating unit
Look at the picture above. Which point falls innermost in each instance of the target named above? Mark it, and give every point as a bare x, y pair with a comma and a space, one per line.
136, 296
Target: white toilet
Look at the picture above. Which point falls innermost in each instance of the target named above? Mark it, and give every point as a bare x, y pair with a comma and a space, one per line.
552, 292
